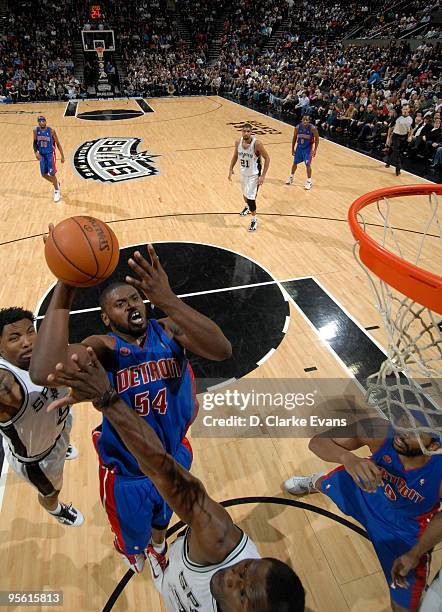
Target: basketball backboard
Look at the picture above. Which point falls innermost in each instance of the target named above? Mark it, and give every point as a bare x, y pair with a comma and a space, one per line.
98, 38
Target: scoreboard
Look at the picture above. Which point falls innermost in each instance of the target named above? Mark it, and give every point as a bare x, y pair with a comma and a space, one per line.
95, 10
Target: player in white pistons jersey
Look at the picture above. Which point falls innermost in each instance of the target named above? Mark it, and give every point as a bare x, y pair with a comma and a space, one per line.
249, 152
35, 441
214, 566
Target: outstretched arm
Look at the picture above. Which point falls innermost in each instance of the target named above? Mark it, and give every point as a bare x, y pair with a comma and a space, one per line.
190, 328
52, 344
52, 341
213, 533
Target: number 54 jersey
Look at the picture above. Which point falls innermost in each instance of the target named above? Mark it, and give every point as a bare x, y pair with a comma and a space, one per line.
156, 380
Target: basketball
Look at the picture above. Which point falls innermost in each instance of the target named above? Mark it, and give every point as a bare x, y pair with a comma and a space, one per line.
82, 251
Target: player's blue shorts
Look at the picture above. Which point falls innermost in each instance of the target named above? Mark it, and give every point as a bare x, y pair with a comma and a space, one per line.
47, 164
134, 505
303, 154
388, 544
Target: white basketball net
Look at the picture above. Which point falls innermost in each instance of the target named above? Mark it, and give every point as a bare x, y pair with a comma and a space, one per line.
407, 390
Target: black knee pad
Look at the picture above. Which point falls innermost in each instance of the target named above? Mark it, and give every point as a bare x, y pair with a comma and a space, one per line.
251, 204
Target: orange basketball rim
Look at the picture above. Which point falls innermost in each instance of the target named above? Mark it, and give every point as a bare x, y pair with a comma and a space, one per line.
420, 285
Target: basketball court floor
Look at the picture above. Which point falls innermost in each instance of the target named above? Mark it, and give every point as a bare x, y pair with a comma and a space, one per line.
290, 297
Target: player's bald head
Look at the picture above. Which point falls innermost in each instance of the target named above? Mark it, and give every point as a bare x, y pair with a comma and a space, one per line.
108, 290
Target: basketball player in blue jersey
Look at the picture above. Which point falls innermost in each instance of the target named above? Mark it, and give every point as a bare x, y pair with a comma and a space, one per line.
147, 364
306, 140
395, 494
45, 141
213, 564
403, 565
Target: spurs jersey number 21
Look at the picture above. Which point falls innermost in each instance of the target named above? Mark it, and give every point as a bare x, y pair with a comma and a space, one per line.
249, 162
33, 431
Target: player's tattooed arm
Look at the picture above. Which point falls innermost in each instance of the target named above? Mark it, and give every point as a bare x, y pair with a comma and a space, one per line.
58, 143
10, 394
213, 533
192, 329
234, 160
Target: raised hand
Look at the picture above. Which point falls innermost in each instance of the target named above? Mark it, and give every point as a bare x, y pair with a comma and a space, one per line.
87, 381
152, 279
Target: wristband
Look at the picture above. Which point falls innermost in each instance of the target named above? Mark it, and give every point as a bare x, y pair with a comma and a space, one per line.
107, 398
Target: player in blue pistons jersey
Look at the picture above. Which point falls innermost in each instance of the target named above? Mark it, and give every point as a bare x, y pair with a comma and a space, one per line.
306, 140
147, 365
155, 378
45, 141
395, 494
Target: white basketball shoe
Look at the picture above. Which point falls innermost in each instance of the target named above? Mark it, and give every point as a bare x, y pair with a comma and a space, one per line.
303, 485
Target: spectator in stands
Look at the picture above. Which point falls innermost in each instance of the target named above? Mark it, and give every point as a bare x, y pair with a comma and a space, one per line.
420, 134
306, 63
437, 160
434, 138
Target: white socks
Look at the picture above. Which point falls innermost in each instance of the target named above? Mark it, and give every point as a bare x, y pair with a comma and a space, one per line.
57, 509
158, 548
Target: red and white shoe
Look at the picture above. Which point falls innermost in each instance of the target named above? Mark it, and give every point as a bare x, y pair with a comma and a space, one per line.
133, 562
158, 563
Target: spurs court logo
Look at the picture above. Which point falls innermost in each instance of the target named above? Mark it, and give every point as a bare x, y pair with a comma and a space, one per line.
258, 127
113, 160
